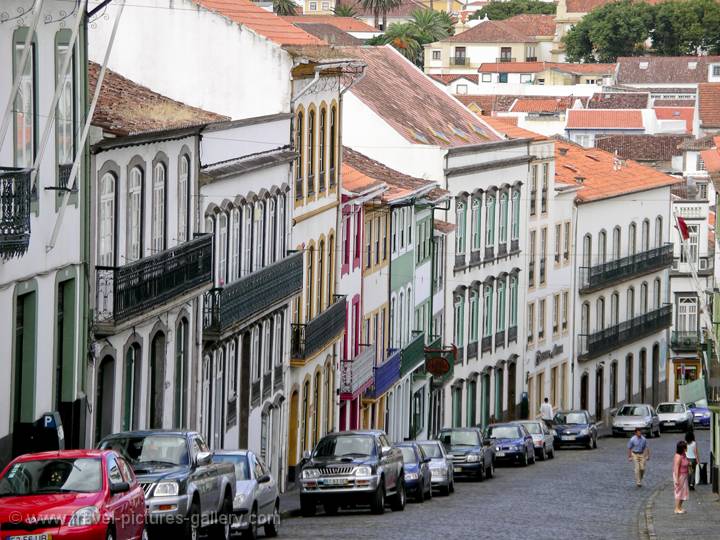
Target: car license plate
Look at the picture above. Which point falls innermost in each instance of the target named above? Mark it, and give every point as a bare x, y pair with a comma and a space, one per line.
43, 536
629, 429
568, 438
334, 481
669, 423
500, 454
457, 469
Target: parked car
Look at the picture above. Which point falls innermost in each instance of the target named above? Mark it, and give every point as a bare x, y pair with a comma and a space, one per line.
701, 415
352, 468
83, 494
674, 416
636, 415
470, 456
182, 485
575, 428
512, 442
418, 481
543, 438
441, 466
257, 500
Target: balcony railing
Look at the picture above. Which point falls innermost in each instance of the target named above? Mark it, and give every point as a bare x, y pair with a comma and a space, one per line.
413, 355
486, 344
277, 377
684, 340
609, 339
459, 260
489, 253
267, 384
356, 375
512, 334
459, 61
602, 275
137, 288
514, 245
531, 58
499, 339
252, 294
386, 374
64, 170
255, 393
310, 338
472, 349
14, 212
505, 59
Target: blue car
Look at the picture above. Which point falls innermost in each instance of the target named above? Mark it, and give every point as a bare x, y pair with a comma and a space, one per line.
418, 477
575, 428
513, 443
701, 415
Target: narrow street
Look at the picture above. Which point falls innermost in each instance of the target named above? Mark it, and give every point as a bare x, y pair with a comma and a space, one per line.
580, 494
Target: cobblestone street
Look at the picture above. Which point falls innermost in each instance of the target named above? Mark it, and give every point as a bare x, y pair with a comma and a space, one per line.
580, 494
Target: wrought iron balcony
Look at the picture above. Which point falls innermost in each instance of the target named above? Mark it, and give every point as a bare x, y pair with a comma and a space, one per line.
607, 340
413, 355
459, 260
386, 374
499, 339
605, 274
684, 340
255, 293
266, 384
356, 375
531, 58
502, 249
486, 344
459, 61
512, 334
514, 245
505, 59
489, 253
312, 337
124, 292
475, 257
64, 170
472, 349
14, 212
277, 377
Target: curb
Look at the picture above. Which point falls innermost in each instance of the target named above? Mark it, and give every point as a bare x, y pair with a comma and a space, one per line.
646, 520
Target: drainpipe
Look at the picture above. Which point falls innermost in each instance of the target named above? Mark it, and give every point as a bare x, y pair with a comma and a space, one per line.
573, 344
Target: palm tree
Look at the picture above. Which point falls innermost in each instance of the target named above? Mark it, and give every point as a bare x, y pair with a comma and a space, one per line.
344, 10
285, 7
403, 37
430, 26
381, 7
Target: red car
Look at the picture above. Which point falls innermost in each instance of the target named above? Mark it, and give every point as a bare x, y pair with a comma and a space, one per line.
75, 494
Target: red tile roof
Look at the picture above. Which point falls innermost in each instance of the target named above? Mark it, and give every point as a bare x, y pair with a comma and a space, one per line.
329, 34
642, 147
586, 6
604, 118
346, 24
127, 108
266, 24
664, 69
503, 103
491, 32
512, 67
711, 157
619, 100
420, 111
444, 227
674, 103
539, 105
447, 78
533, 24
507, 127
537, 67
485, 103
677, 113
596, 172
709, 104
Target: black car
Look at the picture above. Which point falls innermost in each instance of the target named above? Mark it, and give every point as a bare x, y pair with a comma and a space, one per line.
513, 443
353, 468
575, 428
470, 456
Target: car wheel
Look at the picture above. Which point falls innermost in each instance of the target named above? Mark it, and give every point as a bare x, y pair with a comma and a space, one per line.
273, 524
251, 532
445, 490
307, 506
399, 500
221, 528
191, 524
377, 503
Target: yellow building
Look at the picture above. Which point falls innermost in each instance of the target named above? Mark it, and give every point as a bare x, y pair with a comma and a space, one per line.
318, 7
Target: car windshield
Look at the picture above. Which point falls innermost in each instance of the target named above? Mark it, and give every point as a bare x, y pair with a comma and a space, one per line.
346, 445
242, 471
534, 428
633, 410
432, 450
459, 438
504, 432
150, 450
571, 418
670, 408
81, 475
408, 454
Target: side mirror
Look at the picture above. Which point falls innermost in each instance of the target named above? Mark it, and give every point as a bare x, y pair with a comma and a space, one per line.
264, 479
427, 460
203, 458
306, 454
385, 450
119, 487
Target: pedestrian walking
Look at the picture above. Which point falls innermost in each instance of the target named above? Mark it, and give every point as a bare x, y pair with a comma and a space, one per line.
680, 476
638, 454
693, 456
546, 412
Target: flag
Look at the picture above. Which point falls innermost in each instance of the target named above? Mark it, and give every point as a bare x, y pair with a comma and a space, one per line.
683, 228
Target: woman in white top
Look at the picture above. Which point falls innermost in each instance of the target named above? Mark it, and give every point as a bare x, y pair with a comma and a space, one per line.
693, 457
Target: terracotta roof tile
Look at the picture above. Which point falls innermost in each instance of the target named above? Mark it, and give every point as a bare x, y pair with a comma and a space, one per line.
677, 113
411, 103
537, 67
586, 6
127, 108
604, 118
550, 105
329, 34
595, 171
346, 24
447, 78
491, 32
533, 24
506, 126
444, 227
619, 100
711, 157
674, 103
664, 69
702, 143
511, 67
642, 147
709, 104
263, 22
485, 103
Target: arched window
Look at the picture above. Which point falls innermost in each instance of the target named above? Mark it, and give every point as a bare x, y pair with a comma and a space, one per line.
513, 300
310, 298
474, 316
515, 232
488, 311
587, 251
305, 444
333, 145
134, 215
267, 345
616, 251
256, 352
630, 304
585, 318
501, 305
646, 235
602, 247
459, 321
259, 236
459, 234
600, 314
614, 309
234, 250
300, 148
205, 398
402, 320
106, 246
657, 292
409, 314
328, 401
131, 394
632, 239
158, 208
320, 277
247, 257
183, 198
317, 409
282, 236
644, 297
322, 147
182, 358
489, 221
476, 212
272, 232
502, 226
311, 153
331, 269
222, 245
658, 231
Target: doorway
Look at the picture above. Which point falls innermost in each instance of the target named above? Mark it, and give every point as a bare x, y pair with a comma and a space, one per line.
656, 374
104, 398
642, 379
511, 391
599, 393
157, 380
584, 382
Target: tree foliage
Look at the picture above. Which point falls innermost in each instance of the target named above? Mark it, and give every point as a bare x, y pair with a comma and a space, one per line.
672, 27
425, 26
497, 11
344, 10
285, 7
380, 8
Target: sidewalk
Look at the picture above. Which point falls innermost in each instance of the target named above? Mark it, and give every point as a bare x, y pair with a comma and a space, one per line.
290, 502
701, 521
